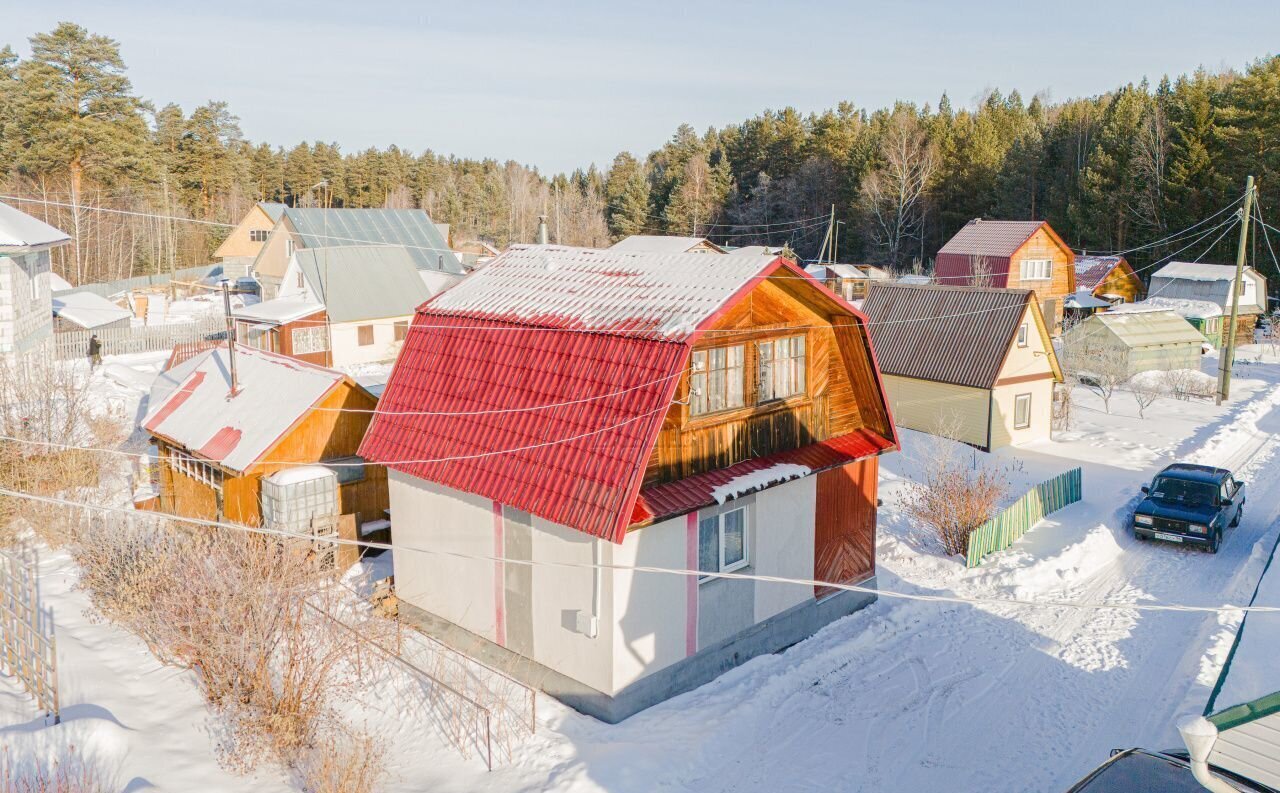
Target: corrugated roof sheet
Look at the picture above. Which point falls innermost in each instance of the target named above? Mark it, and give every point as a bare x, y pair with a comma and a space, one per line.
88, 309
664, 296
1196, 271
545, 417
1183, 307
1145, 328
274, 211
655, 243
359, 282
995, 238
659, 502
190, 404
949, 334
19, 231
1090, 270
412, 228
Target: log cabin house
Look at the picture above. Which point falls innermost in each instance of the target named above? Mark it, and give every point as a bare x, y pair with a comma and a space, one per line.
608, 410
216, 443
1011, 254
1109, 278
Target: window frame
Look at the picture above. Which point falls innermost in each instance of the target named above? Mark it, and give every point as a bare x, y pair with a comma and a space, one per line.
1024, 334
316, 331
720, 519
1017, 399
1025, 274
361, 331
400, 330
259, 235
707, 375
799, 375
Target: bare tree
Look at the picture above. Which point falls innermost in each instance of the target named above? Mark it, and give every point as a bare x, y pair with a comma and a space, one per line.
980, 273
893, 193
1101, 368
1146, 390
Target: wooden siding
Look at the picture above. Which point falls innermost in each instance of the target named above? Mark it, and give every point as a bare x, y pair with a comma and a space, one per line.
845, 524
1043, 245
1123, 281
280, 338
840, 388
239, 242
928, 406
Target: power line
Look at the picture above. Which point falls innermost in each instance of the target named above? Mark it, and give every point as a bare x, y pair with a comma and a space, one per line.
683, 572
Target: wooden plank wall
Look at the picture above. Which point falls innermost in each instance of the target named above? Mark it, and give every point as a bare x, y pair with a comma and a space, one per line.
1063, 283
844, 540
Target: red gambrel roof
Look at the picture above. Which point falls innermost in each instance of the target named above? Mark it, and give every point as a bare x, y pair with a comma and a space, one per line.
542, 380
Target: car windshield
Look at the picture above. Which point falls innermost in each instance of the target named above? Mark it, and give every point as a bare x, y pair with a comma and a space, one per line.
1183, 491
1139, 771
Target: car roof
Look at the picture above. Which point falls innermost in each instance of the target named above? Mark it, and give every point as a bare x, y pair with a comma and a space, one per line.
1198, 473
1141, 770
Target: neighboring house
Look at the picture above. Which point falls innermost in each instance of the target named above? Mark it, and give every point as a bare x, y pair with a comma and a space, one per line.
297, 328
1012, 254
245, 241
845, 280
474, 253
875, 273
1212, 282
88, 311
1109, 278
306, 229
975, 364
912, 279
216, 445
1204, 315
368, 293
26, 308
655, 243
606, 410
1143, 341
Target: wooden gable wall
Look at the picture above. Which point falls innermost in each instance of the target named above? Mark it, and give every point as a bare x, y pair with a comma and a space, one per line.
1044, 245
842, 392
1123, 281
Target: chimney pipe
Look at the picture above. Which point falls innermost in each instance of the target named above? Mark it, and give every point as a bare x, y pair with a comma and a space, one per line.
231, 335
542, 229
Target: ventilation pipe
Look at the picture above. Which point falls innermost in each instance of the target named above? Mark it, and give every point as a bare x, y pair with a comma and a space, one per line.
542, 229
231, 336
1199, 734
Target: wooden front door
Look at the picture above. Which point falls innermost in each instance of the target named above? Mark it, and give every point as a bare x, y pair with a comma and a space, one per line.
844, 541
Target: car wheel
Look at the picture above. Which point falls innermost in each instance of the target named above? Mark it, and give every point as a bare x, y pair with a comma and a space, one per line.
1216, 541
1239, 515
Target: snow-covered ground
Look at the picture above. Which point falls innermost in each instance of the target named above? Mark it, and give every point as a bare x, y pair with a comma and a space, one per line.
902, 696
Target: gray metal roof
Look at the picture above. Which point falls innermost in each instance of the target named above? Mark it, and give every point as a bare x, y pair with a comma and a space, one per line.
948, 334
1140, 329
998, 238
1211, 282
359, 282
412, 228
273, 210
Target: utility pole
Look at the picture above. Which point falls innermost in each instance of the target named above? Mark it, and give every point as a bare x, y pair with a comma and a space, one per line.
1228, 358
231, 335
827, 240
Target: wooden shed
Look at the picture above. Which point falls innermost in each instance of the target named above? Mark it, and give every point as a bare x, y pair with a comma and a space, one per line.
218, 440
976, 364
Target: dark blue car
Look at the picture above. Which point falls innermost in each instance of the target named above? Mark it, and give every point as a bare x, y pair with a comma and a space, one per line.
1190, 504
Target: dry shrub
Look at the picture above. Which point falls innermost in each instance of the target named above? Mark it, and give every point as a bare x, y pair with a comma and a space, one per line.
953, 496
1187, 384
341, 762
261, 622
69, 774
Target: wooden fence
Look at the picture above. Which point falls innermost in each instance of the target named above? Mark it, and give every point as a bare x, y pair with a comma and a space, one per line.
1044, 499
151, 338
28, 649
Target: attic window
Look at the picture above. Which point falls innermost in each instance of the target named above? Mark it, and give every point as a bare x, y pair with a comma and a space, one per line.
716, 381
1037, 269
1022, 335
782, 371
258, 235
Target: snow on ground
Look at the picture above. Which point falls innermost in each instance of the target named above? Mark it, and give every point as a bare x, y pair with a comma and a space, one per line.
902, 696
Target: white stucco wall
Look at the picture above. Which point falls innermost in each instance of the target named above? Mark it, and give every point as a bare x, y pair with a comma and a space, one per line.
782, 531
345, 341
650, 609
26, 317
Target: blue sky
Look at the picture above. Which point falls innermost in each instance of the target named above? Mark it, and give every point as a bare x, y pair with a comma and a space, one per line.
564, 84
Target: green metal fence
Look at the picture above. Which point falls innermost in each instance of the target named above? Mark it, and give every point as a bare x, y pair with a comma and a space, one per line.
1043, 499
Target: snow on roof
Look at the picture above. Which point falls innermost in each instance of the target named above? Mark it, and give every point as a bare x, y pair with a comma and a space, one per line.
19, 231
915, 280
1083, 299
1250, 670
191, 405
666, 295
653, 243
278, 311
1183, 307
753, 250
758, 480
1090, 270
88, 309
837, 270
1196, 271
58, 284
1145, 328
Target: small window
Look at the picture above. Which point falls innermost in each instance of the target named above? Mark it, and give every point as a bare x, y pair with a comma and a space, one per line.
1022, 335
288, 247
1022, 411
1037, 269
716, 381
312, 339
258, 235
722, 542
782, 372
34, 283
300, 282
348, 469
364, 335
402, 330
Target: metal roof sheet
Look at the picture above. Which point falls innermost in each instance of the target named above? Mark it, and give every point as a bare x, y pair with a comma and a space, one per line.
1196, 271
995, 238
1090, 270
359, 282
88, 309
1183, 307
191, 404
950, 334
274, 210
656, 243
1144, 328
19, 231
412, 228
665, 296
278, 311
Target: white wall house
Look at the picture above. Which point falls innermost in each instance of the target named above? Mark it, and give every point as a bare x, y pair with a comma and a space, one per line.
532, 429
26, 308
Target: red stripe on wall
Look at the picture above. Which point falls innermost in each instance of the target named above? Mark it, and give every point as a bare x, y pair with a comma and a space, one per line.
691, 596
499, 582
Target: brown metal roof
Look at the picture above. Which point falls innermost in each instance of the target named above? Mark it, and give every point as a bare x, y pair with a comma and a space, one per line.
950, 334
996, 238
